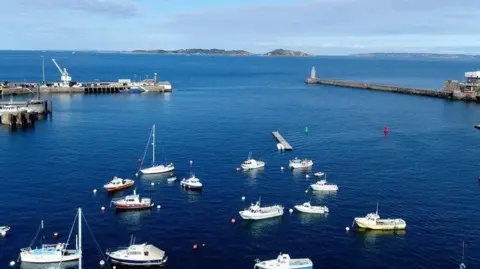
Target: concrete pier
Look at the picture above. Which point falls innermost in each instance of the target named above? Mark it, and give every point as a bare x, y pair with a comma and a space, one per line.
20, 119
282, 140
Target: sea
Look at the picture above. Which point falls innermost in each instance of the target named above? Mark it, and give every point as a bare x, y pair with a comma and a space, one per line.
425, 170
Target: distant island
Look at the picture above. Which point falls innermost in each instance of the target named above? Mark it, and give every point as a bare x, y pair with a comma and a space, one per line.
282, 52
277, 52
416, 55
198, 51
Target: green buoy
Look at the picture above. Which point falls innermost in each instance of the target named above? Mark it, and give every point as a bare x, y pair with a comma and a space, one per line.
306, 130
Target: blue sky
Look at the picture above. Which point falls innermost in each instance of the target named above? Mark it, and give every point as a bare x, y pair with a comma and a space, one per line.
315, 26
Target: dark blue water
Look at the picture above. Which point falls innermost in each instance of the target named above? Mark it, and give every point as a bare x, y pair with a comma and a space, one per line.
424, 171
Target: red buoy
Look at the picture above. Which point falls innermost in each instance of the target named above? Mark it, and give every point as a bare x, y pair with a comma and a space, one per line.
385, 130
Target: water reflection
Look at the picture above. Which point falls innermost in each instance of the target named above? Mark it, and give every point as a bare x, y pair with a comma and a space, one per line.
133, 217
320, 195
260, 228
64, 265
157, 177
193, 195
371, 236
300, 173
253, 173
306, 218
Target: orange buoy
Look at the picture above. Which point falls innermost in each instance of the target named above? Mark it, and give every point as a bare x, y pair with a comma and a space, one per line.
233, 220
385, 130
195, 246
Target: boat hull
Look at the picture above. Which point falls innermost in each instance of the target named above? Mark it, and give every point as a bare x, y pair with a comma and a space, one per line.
160, 169
138, 262
118, 188
387, 226
247, 216
191, 187
48, 258
311, 210
324, 187
292, 264
133, 207
249, 167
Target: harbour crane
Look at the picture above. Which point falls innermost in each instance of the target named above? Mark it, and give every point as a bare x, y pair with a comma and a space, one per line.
65, 78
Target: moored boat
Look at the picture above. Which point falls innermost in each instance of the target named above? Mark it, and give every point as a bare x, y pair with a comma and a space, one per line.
308, 208
257, 212
155, 168
322, 185
137, 255
4, 230
133, 202
53, 253
283, 261
117, 184
192, 183
251, 163
374, 222
298, 163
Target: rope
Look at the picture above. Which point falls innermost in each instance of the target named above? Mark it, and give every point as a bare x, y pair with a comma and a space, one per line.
69, 235
96, 243
145, 152
35, 238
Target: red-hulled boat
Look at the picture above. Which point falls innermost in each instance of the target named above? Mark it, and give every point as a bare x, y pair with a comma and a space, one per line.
133, 202
117, 184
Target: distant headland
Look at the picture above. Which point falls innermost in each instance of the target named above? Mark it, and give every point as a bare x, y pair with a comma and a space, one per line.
416, 55
276, 52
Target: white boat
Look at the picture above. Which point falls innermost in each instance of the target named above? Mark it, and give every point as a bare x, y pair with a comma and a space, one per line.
12, 109
319, 174
138, 255
374, 222
192, 183
308, 208
257, 212
117, 184
283, 261
171, 179
4, 230
322, 185
54, 253
155, 168
297, 163
251, 163
132, 202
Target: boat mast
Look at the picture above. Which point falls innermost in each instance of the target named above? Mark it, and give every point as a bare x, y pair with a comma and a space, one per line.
377, 209
80, 237
153, 143
41, 234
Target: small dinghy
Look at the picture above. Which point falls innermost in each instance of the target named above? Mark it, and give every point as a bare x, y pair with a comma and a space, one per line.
283, 261
308, 208
297, 163
319, 174
192, 183
117, 184
251, 163
171, 179
257, 212
374, 222
137, 255
133, 202
4, 230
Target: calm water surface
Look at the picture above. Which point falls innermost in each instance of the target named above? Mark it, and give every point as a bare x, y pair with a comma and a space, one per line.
424, 171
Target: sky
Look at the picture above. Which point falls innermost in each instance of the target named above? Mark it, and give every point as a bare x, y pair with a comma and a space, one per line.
324, 27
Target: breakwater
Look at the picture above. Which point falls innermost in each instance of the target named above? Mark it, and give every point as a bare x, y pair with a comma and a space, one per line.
380, 87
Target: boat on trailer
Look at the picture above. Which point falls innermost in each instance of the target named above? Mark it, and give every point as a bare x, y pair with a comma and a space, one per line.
283, 261
155, 168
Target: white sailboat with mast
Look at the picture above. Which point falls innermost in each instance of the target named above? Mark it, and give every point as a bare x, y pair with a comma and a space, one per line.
155, 168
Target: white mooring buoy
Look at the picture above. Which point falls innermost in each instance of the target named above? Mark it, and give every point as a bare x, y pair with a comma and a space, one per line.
243, 198
281, 168
94, 190
347, 228
191, 162
158, 206
12, 263
290, 210
153, 184
102, 208
102, 262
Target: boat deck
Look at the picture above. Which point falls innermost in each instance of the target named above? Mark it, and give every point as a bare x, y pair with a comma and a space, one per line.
282, 140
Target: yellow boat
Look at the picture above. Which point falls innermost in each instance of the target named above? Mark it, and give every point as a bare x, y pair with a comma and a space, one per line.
374, 222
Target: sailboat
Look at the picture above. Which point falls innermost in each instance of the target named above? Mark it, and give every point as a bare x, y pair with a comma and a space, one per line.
155, 168
54, 253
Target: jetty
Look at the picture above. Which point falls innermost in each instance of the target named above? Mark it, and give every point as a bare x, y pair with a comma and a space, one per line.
282, 140
453, 90
24, 113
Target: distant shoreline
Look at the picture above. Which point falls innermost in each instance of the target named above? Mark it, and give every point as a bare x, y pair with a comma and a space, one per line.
276, 52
